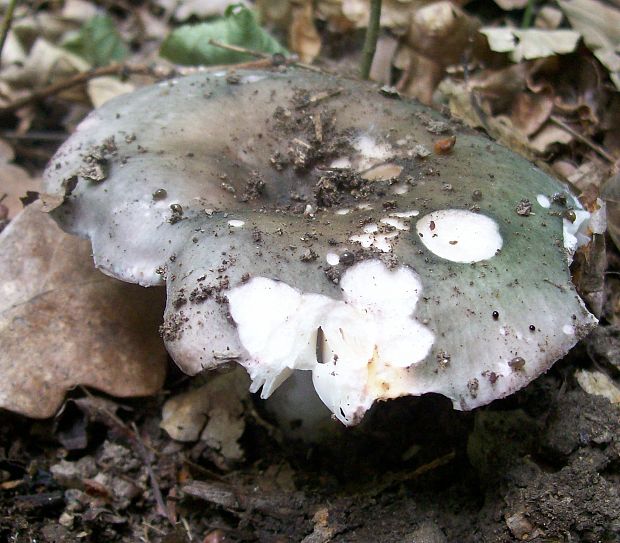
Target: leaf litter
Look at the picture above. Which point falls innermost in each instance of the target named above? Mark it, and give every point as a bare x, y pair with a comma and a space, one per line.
126, 483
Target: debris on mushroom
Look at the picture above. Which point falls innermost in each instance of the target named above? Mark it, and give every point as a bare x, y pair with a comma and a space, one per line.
375, 293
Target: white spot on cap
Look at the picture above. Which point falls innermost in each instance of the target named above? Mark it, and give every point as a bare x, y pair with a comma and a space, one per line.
235, 223
405, 214
340, 163
568, 329
459, 235
400, 189
371, 152
395, 223
543, 201
342, 211
384, 172
332, 259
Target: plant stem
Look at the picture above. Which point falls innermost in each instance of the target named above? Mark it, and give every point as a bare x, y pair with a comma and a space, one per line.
372, 35
6, 23
528, 15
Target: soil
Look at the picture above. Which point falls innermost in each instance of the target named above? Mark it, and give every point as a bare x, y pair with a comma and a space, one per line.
542, 465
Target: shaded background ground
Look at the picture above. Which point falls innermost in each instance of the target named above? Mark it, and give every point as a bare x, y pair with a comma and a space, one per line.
542, 465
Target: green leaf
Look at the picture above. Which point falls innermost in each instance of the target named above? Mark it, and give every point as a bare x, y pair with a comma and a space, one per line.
98, 42
189, 44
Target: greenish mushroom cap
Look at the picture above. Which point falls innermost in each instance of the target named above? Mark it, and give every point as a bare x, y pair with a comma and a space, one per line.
303, 222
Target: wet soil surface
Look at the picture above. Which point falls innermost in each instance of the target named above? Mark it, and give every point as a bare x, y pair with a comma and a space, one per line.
542, 465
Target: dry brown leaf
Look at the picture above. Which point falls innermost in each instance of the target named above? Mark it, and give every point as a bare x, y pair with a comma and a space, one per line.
599, 384
102, 89
508, 5
548, 137
64, 323
15, 182
441, 31
381, 69
303, 37
212, 412
548, 18
530, 43
530, 111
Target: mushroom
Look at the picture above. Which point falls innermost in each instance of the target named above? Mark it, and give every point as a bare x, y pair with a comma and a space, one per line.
304, 227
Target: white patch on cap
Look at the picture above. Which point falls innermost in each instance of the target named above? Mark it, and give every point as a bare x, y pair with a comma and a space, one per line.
332, 259
356, 348
342, 211
341, 163
378, 241
405, 214
384, 172
543, 201
400, 188
235, 223
395, 223
459, 235
371, 153
568, 329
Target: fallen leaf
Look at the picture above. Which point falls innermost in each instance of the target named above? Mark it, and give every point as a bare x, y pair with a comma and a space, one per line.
303, 36
611, 194
530, 43
212, 413
15, 182
548, 18
549, 136
530, 111
599, 384
98, 42
102, 89
599, 24
508, 5
45, 64
63, 323
201, 9
189, 44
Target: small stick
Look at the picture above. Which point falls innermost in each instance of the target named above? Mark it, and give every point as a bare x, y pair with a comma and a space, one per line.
237, 49
261, 55
372, 35
56, 88
6, 23
583, 139
159, 499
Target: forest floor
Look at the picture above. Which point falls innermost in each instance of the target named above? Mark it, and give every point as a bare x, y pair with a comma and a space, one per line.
542, 465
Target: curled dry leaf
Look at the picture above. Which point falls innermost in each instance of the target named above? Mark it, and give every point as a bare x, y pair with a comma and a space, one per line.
212, 412
62, 323
599, 24
599, 384
531, 43
15, 182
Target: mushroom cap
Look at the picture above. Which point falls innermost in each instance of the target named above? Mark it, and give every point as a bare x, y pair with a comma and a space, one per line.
307, 222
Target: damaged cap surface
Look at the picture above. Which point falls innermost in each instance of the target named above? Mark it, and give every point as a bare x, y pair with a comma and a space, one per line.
299, 227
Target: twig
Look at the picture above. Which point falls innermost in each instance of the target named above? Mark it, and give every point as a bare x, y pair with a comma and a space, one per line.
587, 141
274, 59
372, 35
237, 49
6, 23
159, 499
79, 79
